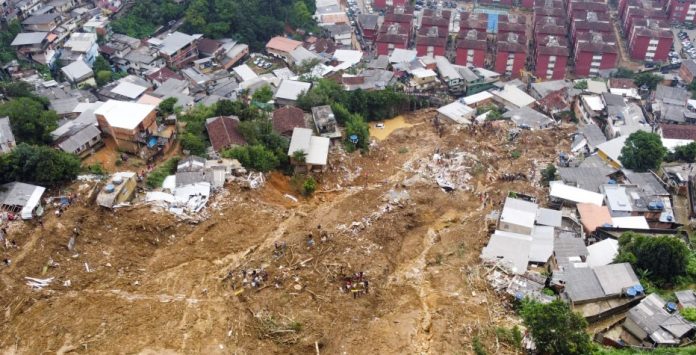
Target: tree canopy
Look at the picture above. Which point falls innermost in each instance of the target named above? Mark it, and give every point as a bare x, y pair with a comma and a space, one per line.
556, 329
146, 15
371, 105
40, 165
252, 21
685, 153
648, 79
30, 122
663, 258
7, 35
643, 151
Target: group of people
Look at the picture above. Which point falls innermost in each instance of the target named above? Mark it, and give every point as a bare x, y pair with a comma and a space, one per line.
322, 235
253, 278
356, 284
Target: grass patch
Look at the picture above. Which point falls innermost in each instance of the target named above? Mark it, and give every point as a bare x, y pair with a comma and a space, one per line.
157, 176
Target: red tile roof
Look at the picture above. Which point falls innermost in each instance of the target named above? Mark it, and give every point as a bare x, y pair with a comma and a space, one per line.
223, 132
676, 131
163, 75
285, 119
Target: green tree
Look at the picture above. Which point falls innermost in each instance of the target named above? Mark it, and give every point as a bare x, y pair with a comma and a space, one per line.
299, 156
648, 79
664, 257
309, 186
103, 77
263, 94
581, 85
689, 314
255, 157
624, 73
101, 64
39, 165
300, 15
166, 107
548, 174
30, 122
357, 126
193, 143
685, 153
556, 329
642, 151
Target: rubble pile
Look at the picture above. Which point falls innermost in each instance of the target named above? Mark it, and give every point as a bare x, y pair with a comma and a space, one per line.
450, 170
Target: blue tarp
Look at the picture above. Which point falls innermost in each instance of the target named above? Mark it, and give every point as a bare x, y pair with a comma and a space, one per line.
152, 142
492, 23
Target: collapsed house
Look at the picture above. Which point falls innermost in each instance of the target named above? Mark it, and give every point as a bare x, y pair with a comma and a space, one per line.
119, 189
21, 199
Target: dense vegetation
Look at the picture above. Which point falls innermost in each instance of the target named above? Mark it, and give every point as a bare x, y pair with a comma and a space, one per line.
39, 165
643, 151
146, 16
355, 125
662, 259
157, 176
7, 53
266, 149
685, 153
647, 78
252, 21
556, 329
371, 105
30, 121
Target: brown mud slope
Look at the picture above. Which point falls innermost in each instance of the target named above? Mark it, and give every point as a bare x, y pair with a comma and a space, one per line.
156, 285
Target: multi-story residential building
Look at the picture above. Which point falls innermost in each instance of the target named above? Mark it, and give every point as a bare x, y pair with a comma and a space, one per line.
471, 48
589, 22
403, 15
369, 26
391, 37
382, 4
594, 52
439, 19
551, 57
431, 41
650, 41
179, 49
472, 21
511, 54
681, 10
512, 24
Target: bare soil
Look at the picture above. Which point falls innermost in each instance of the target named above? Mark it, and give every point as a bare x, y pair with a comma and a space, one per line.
160, 286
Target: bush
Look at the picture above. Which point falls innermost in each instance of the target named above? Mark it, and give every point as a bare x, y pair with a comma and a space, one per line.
357, 126
309, 186
254, 157
515, 154
166, 107
478, 347
157, 176
193, 143
96, 169
689, 314
548, 174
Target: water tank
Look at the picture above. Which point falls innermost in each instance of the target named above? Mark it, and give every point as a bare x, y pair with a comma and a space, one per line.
117, 180
639, 288
631, 292
671, 307
109, 188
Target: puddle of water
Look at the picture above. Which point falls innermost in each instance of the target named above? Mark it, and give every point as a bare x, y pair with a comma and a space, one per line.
390, 126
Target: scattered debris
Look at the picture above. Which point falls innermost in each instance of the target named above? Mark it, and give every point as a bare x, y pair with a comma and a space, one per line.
38, 284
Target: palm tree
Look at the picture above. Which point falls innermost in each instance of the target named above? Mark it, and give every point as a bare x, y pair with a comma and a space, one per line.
299, 156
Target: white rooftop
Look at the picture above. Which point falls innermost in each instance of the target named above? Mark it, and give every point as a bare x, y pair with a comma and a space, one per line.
457, 112
291, 89
514, 96
612, 148
423, 73
633, 222
129, 90
571, 193
402, 55
594, 102
602, 253
81, 42
245, 72
176, 41
126, 115
76, 70
315, 148
519, 212
478, 97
